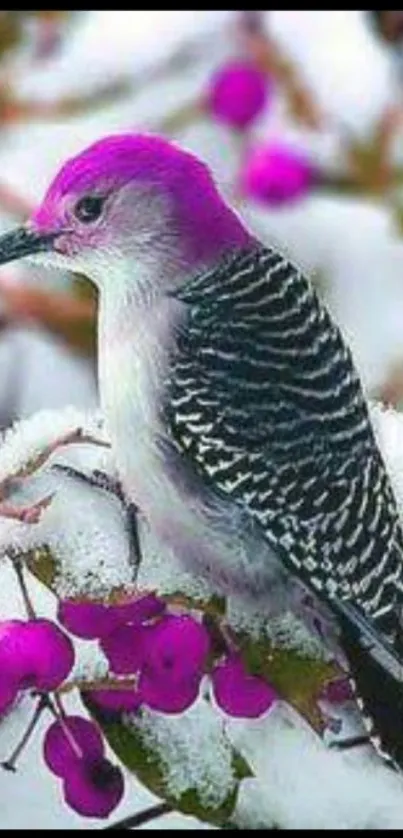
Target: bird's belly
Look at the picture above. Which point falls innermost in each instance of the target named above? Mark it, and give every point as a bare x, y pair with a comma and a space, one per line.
209, 538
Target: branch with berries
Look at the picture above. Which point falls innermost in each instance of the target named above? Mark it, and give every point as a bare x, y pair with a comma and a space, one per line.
209, 705
276, 172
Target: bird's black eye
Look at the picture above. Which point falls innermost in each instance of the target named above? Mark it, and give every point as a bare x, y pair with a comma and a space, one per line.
89, 208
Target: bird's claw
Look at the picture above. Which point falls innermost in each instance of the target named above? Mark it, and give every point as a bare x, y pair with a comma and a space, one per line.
97, 479
352, 742
109, 484
101, 480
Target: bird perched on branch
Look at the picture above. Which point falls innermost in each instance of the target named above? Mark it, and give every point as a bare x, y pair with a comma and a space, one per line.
237, 419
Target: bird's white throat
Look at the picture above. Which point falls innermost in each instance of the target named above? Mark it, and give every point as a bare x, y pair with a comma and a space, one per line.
134, 348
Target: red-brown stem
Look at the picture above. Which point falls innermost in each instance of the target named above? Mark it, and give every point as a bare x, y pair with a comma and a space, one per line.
145, 816
60, 714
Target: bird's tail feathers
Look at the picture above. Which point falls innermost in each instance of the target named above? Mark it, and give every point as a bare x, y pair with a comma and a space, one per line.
377, 672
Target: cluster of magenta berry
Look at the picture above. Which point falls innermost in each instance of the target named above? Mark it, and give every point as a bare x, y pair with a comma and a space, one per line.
37, 656
168, 654
157, 659
74, 750
271, 172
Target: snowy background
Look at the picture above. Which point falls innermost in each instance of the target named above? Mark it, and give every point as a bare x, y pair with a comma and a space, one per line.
352, 240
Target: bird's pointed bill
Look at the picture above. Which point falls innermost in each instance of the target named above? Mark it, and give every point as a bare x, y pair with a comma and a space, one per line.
24, 241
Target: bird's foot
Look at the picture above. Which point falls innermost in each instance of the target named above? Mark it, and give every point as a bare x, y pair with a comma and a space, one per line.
101, 480
351, 742
97, 479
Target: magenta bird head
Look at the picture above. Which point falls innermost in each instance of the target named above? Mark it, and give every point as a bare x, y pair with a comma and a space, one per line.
129, 205
237, 94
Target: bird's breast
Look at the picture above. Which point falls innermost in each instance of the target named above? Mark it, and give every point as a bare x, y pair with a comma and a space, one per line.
132, 370
128, 405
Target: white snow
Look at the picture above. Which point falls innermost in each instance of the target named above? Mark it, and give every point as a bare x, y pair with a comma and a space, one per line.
193, 750
26, 440
302, 785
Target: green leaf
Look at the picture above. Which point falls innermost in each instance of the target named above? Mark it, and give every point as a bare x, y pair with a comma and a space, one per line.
128, 745
241, 768
43, 565
297, 678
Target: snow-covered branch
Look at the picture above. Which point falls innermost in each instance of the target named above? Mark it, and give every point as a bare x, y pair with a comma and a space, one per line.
256, 754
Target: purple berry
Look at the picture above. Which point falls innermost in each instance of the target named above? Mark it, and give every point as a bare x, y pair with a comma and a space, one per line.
337, 691
117, 701
49, 655
168, 697
88, 620
70, 741
8, 693
239, 694
275, 175
95, 620
237, 94
176, 654
176, 649
94, 789
12, 649
141, 609
35, 654
124, 649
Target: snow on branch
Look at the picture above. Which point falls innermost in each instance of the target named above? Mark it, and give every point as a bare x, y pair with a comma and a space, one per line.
209, 759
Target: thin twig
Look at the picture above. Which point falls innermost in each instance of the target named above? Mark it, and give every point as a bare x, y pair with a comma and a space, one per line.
61, 715
127, 683
145, 816
16, 563
78, 436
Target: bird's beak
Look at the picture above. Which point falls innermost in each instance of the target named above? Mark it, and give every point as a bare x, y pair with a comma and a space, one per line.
24, 241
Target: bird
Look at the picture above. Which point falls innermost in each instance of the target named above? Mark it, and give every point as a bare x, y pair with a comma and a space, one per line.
236, 416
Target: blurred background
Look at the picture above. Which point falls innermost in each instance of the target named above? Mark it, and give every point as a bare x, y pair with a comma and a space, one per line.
300, 116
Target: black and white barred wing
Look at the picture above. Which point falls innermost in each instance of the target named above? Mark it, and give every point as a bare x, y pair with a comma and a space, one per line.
265, 401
